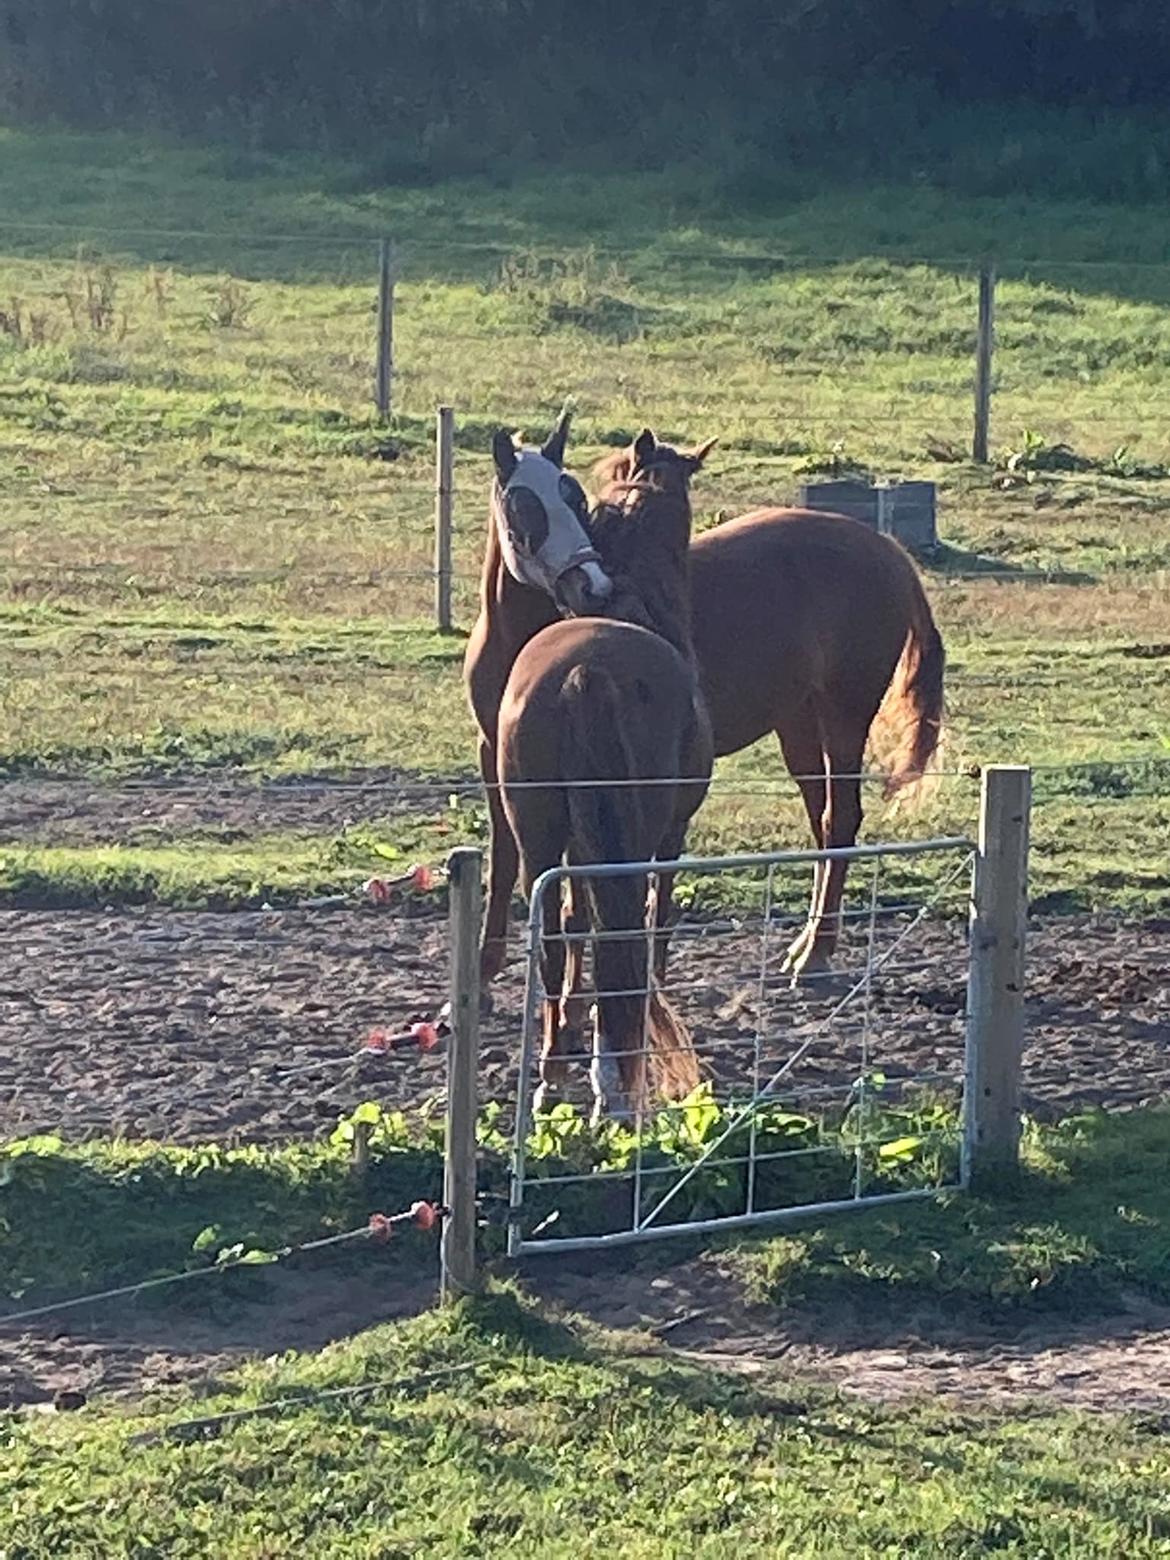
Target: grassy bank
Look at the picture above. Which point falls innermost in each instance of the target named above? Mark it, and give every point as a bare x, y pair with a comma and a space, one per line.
559, 1442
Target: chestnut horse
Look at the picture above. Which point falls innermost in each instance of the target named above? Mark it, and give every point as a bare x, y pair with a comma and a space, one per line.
808, 624
591, 700
803, 623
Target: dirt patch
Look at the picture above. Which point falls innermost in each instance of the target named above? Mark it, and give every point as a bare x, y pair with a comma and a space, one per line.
692, 1311
199, 1026
194, 1026
123, 1347
157, 812
1118, 1362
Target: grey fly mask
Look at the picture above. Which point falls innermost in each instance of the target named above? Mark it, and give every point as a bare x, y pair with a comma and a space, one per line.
540, 514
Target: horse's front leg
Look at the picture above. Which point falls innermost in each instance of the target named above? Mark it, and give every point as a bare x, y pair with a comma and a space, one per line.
503, 868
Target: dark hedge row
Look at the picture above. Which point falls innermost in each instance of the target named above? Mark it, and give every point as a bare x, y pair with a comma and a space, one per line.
436, 81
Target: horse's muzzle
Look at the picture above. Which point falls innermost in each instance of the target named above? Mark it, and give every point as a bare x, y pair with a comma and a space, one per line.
584, 588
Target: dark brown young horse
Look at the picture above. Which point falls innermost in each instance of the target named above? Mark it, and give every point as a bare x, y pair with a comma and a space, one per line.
612, 699
809, 624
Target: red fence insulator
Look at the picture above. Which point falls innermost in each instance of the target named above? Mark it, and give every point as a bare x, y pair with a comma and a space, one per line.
381, 890
381, 1228
424, 1215
424, 1034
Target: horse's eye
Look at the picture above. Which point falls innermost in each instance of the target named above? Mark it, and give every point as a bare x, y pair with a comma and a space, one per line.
527, 521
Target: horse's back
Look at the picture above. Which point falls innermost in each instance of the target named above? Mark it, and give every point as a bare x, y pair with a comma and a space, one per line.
808, 544
593, 699
599, 663
645, 666
788, 602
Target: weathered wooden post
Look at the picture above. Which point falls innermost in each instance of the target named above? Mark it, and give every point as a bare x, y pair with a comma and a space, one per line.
385, 370
444, 503
983, 352
995, 985
465, 881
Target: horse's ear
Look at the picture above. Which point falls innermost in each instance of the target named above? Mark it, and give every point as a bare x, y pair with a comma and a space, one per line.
699, 454
553, 447
643, 451
504, 455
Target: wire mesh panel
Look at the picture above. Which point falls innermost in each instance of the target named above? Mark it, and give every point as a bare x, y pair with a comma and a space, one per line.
840, 1091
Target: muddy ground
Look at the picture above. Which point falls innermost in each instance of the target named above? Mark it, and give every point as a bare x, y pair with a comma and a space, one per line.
73, 812
193, 1026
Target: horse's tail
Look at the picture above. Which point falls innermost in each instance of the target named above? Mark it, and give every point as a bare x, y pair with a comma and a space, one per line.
608, 824
913, 706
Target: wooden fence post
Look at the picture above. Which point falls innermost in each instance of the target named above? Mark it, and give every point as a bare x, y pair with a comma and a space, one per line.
983, 351
995, 984
385, 369
444, 498
465, 880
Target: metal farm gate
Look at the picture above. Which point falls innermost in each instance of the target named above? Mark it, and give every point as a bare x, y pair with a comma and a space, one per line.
846, 1093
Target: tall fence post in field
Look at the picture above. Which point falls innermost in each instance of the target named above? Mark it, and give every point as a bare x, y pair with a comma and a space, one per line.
983, 353
444, 503
465, 880
995, 984
385, 370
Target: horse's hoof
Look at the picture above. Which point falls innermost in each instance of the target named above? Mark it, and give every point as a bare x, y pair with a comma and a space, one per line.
572, 1046
815, 976
617, 1107
493, 956
546, 1096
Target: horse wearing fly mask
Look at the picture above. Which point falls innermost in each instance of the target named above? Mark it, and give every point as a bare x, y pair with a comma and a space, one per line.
539, 563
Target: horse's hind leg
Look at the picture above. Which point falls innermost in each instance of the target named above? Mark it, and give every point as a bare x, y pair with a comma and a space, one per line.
540, 826
553, 1071
800, 742
621, 968
576, 1005
669, 850
842, 821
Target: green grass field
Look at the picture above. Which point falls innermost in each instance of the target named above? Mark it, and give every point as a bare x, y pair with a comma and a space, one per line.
561, 1442
207, 564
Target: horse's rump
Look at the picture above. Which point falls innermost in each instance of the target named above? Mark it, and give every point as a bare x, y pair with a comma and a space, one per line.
793, 604
591, 701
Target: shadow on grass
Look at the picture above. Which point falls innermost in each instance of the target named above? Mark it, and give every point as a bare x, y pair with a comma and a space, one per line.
300, 217
945, 559
1087, 1230
1086, 1233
